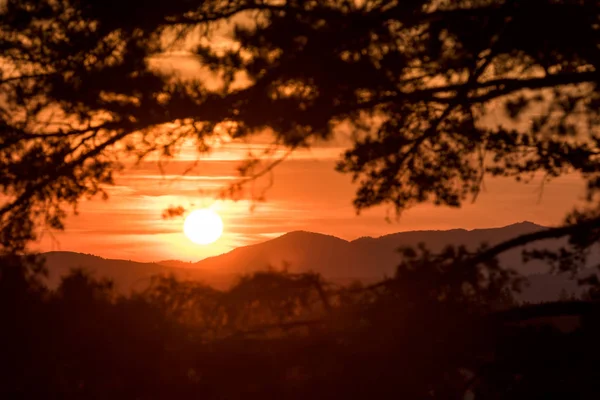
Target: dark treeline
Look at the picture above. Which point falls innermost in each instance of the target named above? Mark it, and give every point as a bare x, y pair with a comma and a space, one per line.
428, 332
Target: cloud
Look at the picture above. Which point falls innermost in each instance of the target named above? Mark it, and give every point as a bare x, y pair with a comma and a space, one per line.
307, 194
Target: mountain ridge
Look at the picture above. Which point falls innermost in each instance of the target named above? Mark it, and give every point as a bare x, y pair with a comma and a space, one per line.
174, 263
364, 259
520, 224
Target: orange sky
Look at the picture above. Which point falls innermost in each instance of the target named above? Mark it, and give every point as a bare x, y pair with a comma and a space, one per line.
307, 195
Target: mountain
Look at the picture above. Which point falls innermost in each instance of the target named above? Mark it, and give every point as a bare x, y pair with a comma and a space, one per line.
366, 259
304, 251
127, 275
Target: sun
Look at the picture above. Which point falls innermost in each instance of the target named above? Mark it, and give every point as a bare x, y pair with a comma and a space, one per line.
203, 226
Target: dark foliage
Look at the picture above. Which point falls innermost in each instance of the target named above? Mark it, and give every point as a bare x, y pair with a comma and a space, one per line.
278, 335
421, 84
438, 95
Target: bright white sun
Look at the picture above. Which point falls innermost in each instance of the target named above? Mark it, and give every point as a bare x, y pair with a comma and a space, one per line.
203, 226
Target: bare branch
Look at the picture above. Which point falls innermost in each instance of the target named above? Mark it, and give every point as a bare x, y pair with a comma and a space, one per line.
550, 233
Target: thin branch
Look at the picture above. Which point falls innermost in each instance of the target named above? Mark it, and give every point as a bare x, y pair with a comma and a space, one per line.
23, 77
464, 91
496, 87
522, 240
550, 233
269, 168
322, 295
503, 87
60, 171
224, 15
17, 137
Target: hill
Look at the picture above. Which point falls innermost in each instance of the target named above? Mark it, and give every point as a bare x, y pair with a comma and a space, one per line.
366, 259
127, 275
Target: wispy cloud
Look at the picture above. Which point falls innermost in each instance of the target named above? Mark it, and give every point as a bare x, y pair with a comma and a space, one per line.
306, 195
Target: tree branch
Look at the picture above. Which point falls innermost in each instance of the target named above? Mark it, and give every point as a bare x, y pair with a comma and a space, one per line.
495, 88
218, 16
498, 87
550, 233
61, 171
23, 77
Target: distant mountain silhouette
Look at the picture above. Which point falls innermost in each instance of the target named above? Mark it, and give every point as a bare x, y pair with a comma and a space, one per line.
365, 259
127, 275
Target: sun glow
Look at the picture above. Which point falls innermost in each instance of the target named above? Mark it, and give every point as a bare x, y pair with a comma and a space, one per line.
203, 226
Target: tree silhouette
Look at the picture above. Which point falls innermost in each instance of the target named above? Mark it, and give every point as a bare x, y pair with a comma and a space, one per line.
418, 83
423, 333
438, 95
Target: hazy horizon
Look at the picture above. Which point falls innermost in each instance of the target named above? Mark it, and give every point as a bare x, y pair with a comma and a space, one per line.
101, 255
129, 224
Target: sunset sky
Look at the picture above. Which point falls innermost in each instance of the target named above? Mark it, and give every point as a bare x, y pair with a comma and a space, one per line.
307, 194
